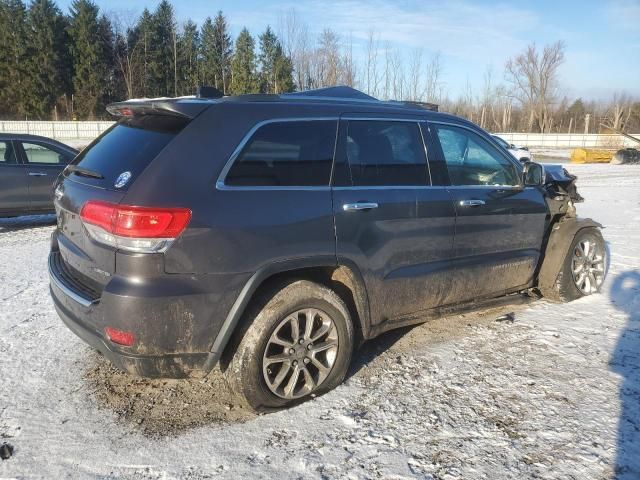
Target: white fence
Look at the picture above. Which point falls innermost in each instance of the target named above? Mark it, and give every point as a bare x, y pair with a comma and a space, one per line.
81, 133
569, 140
73, 133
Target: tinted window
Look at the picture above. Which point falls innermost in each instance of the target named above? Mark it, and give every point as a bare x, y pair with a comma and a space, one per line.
385, 153
286, 154
473, 161
42, 155
130, 145
7, 155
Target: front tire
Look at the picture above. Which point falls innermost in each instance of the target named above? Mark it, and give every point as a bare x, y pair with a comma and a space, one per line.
584, 268
296, 344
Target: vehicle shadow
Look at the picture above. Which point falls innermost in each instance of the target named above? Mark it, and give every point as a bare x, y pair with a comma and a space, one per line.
371, 349
625, 360
14, 224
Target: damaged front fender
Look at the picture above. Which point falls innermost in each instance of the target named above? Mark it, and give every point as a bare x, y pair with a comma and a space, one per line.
558, 245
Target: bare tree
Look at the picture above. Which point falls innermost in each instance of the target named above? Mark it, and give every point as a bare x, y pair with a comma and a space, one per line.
534, 78
433, 86
349, 71
295, 39
372, 76
126, 55
329, 58
619, 111
415, 88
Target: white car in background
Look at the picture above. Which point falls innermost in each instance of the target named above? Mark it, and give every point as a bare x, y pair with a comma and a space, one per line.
521, 153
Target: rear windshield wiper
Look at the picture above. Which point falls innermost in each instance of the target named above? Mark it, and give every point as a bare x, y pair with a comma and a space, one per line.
85, 172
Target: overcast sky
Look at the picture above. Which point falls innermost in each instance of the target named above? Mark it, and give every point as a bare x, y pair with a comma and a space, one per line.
602, 37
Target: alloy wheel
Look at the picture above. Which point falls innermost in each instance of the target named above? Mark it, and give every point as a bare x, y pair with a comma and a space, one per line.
300, 353
588, 264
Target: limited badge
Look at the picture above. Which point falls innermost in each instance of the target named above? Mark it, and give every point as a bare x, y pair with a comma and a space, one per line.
122, 179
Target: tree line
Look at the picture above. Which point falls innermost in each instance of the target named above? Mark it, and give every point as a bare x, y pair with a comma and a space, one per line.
56, 65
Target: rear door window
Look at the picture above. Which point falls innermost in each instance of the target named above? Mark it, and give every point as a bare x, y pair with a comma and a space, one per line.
40, 155
128, 146
385, 153
7, 154
286, 154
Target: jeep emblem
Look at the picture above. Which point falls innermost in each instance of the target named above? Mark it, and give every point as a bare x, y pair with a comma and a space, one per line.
122, 179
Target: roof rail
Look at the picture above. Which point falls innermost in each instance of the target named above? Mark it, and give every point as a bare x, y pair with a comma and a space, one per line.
423, 105
340, 92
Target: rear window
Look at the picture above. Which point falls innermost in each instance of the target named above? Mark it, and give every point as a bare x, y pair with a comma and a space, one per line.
292, 153
128, 146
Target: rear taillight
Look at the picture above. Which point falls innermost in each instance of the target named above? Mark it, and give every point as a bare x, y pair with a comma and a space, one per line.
138, 229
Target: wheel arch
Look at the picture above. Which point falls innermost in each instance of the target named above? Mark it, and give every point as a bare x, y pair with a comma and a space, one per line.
343, 277
560, 239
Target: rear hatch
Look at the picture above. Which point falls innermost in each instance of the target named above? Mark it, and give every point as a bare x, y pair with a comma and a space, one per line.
103, 172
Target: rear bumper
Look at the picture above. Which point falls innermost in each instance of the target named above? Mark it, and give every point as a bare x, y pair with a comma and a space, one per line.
174, 321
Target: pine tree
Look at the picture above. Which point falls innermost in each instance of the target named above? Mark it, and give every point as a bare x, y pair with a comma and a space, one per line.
283, 67
114, 88
266, 60
161, 66
216, 53
222, 49
12, 57
47, 65
207, 53
91, 51
276, 69
142, 38
243, 65
188, 59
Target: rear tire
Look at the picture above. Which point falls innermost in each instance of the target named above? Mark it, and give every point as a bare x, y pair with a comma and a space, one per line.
278, 364
584, 268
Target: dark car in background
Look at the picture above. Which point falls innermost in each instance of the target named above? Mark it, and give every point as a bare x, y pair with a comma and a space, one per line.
273, 233
29, 165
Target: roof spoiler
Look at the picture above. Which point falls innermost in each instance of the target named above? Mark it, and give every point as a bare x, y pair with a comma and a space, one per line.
186, 107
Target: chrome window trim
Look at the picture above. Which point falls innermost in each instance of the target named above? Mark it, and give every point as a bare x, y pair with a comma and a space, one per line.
390, 187
315, 188
220, 185
509, 158
352, 117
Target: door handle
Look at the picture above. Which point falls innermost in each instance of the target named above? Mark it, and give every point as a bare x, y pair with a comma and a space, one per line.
37, 174
471, 203
354, 207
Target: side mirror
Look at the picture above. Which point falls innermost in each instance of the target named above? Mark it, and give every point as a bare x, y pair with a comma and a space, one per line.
533, 175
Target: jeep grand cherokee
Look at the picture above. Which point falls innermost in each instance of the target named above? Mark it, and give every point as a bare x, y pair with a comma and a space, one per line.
272, 233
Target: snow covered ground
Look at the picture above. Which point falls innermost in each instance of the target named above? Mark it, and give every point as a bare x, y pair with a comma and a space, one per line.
554, 394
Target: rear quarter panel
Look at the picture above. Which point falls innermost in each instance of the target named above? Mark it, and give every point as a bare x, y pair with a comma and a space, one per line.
233, 230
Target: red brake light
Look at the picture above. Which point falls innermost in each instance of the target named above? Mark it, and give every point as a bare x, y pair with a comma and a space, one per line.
136, 222
120, 337
124, 112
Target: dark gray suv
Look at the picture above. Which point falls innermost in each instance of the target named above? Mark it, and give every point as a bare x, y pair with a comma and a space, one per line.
29, 165
273, 233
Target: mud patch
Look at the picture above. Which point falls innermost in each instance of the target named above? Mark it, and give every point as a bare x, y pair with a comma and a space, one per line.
159, 407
